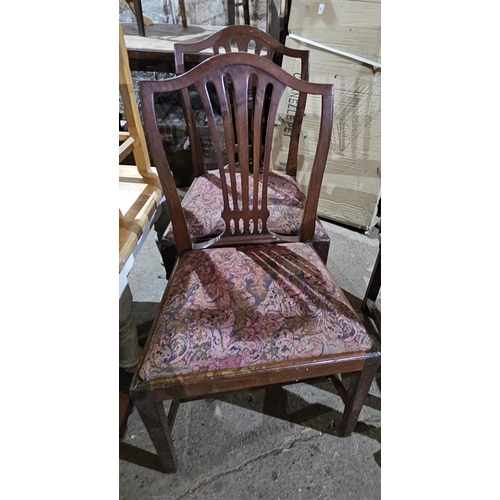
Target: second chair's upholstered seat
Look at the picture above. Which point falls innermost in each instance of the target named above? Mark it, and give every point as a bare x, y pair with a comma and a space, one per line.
203, 204
250, 306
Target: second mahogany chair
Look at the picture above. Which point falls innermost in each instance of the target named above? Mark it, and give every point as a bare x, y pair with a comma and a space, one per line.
256, 310
286, 201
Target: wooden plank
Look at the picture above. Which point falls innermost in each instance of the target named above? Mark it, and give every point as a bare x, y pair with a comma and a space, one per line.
131, 111
161, 37
126, 148
155, 52
138, 200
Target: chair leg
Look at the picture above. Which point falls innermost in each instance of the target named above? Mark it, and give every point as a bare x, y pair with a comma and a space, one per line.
169, 255
373, 287
153, 415
246, 11
182, 8
139, 18
322, 247
230, 12
129, 350
358, 390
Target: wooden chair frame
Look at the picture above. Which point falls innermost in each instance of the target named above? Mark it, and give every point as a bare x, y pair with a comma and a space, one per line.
148, 396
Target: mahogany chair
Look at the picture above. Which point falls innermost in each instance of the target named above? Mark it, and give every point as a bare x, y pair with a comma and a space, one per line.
204, 192
262, 309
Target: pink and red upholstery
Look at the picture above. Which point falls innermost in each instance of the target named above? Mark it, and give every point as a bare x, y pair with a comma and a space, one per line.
203, 204
247, 306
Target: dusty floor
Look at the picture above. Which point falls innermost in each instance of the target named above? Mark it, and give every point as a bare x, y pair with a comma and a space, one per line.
276, 443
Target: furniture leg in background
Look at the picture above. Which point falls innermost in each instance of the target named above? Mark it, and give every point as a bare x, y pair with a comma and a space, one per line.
372, 292
368, 305
231, 11
130, 351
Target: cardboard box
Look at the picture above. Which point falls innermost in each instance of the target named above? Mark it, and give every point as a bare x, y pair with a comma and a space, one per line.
351, 185
349, 25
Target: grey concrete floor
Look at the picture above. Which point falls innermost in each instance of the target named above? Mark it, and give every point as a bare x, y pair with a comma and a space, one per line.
274, 443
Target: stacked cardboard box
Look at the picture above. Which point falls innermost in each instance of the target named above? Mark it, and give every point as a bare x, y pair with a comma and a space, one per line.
351, 185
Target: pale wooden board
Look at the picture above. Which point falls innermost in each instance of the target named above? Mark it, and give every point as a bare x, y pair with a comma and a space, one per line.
161, 37
137, 139
140, 190
138, 199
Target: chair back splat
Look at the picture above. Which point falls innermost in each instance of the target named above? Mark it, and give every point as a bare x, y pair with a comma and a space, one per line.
237, 79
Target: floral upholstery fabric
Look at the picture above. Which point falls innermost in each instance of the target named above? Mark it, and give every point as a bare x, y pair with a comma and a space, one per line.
235, 307
203, 205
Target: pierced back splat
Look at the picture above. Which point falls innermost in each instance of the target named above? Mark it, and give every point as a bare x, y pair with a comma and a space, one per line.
245, 199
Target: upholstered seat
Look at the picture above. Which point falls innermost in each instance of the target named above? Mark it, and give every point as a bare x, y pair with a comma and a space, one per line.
250, 306
203, 205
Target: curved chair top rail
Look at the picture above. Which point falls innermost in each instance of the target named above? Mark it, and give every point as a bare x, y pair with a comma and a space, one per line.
232, 75
220, 61
251, 40
243, 37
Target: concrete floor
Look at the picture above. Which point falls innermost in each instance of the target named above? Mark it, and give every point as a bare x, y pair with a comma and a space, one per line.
277, 443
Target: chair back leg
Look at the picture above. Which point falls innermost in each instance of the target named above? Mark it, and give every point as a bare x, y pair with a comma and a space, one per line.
138, 15
153, 415
359, 386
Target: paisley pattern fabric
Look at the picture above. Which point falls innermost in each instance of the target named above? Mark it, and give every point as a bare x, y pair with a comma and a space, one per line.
235, 307
203, 205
